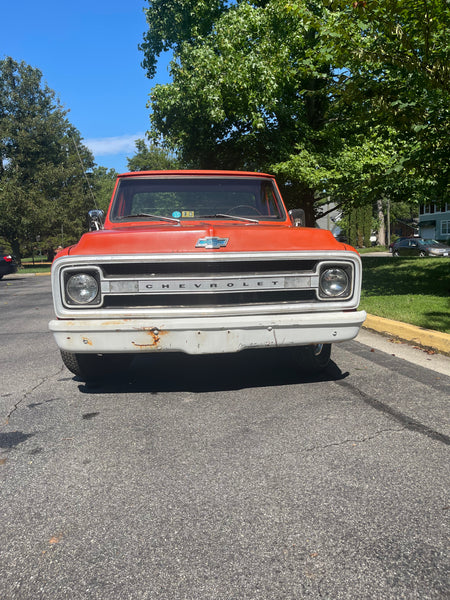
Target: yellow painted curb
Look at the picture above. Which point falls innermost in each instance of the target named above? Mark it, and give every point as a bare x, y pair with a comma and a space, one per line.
410, 333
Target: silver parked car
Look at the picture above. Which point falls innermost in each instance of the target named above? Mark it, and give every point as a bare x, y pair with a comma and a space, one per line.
419, 247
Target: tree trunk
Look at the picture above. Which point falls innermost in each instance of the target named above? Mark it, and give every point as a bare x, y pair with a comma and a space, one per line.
15, 249
381, 227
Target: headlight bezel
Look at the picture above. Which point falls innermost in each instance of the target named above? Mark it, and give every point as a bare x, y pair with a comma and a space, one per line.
66, 276
347, 293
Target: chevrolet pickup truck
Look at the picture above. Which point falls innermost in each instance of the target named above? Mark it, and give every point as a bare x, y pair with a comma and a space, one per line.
201, 262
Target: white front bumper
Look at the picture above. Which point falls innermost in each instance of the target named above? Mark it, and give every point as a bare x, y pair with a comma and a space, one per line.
206, 335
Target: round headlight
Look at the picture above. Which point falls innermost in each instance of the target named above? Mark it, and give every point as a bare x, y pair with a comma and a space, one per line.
82, 288
334, 282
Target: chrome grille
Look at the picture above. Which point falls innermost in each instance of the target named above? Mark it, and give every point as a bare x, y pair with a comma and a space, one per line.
206, 300
214, 283
200, 268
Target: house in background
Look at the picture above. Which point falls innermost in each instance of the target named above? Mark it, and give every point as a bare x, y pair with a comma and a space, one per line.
403, 228
332, 216
434, 221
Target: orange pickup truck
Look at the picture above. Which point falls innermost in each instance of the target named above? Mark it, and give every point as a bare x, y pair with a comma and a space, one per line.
201, 262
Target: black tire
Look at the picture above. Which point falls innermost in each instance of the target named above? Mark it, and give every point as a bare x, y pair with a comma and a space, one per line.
422, 254
313, 359
395, 253
93, 367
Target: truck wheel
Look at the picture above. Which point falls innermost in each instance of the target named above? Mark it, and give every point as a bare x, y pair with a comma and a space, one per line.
314, 358
91, 367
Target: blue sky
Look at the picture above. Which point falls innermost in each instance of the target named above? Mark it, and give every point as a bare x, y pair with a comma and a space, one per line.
88, 54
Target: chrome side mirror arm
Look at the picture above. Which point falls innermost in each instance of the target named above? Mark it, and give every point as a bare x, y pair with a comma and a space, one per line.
96, 219
297, 217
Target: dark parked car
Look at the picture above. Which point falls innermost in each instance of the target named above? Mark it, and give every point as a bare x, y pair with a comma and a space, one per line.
392, 244
419, 247
7, 264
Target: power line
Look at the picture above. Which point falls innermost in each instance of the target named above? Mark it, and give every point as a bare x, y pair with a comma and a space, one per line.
83, 169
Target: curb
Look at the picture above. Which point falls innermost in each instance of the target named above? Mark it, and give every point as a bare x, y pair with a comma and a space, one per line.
434, 340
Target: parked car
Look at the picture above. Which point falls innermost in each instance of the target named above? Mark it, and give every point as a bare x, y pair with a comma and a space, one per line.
392, 244
419, 247
7, 264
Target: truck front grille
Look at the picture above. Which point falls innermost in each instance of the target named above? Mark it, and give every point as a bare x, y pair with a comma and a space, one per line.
206, 300
226, 283
207, 268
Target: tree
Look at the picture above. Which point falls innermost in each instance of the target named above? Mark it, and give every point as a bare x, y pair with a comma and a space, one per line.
174, 22
42, 184
393, 58
248, 92
342, 100
103, 182
151, 158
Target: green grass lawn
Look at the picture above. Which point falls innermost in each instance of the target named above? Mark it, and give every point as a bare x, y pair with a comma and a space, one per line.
35, 268
412, 290
372, 249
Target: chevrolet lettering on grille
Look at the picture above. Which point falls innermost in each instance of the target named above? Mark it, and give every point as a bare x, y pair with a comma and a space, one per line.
211, 243
211, 285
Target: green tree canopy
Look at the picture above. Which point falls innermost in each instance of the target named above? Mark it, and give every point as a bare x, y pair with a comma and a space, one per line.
302, 88
393, 58
42, 185
151, 158
103, 182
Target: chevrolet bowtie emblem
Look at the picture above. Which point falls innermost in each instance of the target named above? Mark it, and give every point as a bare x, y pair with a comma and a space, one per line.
211, 242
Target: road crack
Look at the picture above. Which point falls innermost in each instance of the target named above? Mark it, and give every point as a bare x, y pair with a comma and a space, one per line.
27, 393
406, 421
355, 441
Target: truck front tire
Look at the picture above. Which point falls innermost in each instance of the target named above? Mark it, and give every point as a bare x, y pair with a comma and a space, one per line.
314, 358
91, 367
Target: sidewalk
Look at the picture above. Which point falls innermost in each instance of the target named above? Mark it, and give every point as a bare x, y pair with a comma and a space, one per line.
426, 338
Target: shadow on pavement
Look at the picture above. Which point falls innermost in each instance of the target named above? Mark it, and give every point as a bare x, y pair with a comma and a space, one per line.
183, 372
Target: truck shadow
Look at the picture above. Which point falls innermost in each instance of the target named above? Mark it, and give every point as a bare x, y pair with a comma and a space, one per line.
185, 373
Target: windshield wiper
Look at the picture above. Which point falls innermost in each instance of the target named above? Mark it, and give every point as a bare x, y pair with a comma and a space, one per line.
156, 217
223, 216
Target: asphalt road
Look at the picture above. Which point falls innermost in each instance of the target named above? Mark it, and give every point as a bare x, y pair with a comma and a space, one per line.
218, 477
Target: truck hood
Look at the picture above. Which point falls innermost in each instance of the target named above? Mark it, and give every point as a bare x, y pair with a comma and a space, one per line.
242, 237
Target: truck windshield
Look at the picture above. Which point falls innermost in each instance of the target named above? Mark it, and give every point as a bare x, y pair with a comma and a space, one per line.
191, 198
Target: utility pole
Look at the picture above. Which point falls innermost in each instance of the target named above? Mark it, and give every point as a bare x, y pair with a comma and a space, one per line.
388, 224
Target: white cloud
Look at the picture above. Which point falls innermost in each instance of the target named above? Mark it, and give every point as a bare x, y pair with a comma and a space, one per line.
113, 145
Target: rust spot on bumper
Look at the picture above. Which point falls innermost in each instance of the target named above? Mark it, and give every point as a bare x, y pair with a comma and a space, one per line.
155, 335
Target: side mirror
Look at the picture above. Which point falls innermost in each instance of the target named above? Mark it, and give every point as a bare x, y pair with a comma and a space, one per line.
297, 217
96, 219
